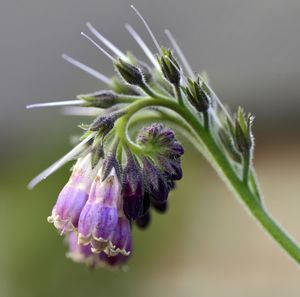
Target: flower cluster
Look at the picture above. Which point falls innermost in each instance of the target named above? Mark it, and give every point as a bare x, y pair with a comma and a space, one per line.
125, 169
100, 202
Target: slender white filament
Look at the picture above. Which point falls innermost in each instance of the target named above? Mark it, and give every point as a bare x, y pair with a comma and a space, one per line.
99, 47
147, 27
105, 41
180, 54
87, 69
68, 157
57, 103
142, 45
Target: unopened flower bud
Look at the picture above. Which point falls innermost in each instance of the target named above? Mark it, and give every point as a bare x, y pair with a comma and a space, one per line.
102, 99
160, 207
104, 123
169, 66
143, 221
133, 188
131, 74
155, 182
157, 138
242, 132
197, 95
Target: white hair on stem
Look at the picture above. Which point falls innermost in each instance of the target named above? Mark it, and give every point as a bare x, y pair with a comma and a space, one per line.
106, 42
57, 103
180, 54
217, 100
87, 69
142, 45
68, 157
99, 47
147, 27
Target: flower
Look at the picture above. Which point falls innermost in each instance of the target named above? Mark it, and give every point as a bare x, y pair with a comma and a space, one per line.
72, 198
84, 255
99, 216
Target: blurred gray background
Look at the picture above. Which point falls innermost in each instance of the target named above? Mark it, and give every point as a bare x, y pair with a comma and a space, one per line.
250, 50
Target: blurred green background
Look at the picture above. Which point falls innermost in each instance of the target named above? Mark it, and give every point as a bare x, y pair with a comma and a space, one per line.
207, 245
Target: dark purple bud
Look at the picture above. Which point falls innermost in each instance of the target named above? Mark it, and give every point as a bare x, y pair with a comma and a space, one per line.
73, 197
170, 167
159, 207
155, 183
176, 150
109, 163
104, 123
146, 203
143, 221
133, 189
171, 185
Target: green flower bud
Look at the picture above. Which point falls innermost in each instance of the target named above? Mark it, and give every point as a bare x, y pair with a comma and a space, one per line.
131, 74
241, 131
101, 99
169, 66
197, 95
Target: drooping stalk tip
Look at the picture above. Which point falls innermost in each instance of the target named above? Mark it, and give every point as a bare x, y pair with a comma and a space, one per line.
120, 179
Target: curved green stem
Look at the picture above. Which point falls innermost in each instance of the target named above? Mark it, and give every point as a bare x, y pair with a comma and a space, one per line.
246, 168
222, 166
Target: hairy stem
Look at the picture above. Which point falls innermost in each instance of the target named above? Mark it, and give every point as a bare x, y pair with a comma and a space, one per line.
246, 168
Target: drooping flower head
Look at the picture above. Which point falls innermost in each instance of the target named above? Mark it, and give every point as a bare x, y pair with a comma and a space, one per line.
117, 182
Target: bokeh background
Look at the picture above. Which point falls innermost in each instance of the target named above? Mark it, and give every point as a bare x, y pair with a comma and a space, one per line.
207, 245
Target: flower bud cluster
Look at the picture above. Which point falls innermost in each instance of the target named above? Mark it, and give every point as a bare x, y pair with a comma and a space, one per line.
161, 167
98, 205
